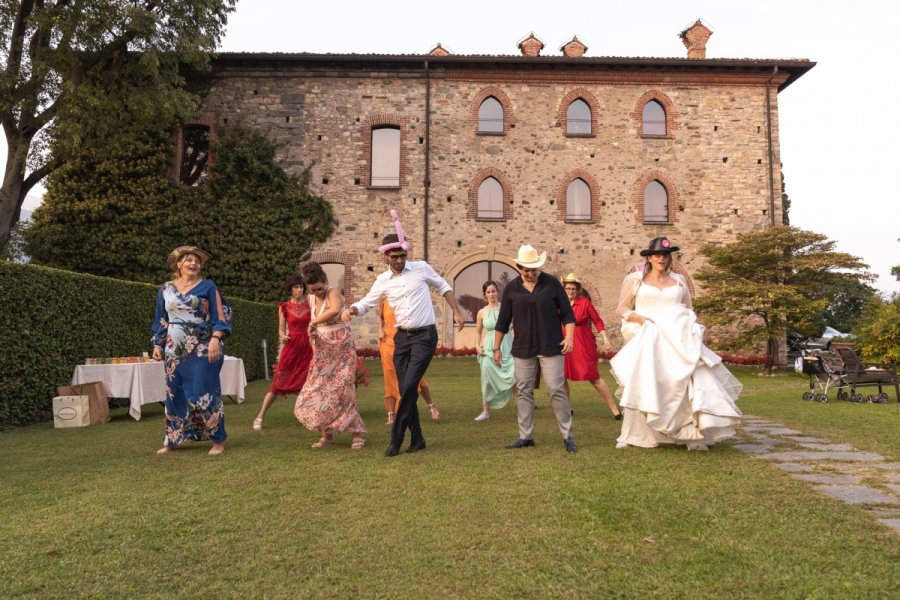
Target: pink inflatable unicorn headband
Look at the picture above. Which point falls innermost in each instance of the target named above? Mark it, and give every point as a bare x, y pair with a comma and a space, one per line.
401, 243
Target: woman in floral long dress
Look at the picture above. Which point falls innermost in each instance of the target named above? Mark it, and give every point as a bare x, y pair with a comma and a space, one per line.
327, 402
296, 353
189, 325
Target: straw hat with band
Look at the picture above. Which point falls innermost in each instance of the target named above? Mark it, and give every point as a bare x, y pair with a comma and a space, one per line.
529, 258
659, 245
176, 255
571, 278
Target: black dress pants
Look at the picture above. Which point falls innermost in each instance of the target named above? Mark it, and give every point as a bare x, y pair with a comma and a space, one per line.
413, 351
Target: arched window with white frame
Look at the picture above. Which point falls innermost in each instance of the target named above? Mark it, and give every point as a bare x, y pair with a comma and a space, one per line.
656, 203
578, 118
490, 116
578, 201
654, 120
385, 157
490, 199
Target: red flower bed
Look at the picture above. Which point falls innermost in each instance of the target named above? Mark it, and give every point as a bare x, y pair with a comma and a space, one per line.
445, 351
368, 353
362, 373
737, 359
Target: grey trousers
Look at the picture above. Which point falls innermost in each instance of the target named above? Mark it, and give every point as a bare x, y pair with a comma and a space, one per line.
555, 380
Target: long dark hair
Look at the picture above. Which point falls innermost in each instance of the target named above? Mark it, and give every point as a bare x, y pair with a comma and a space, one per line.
488, 284
313, 273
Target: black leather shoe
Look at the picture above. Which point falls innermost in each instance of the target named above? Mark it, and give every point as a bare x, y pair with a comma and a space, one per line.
391, 451
520, 443
416, 447
570, 445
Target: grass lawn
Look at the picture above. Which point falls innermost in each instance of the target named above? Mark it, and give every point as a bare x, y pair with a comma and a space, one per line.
94, 512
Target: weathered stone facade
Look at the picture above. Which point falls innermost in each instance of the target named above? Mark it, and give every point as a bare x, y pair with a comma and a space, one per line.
717, 160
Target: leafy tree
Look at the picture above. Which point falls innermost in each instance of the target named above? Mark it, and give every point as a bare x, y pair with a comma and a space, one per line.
847, 302
878, 332
785, 204
113, 210
771, 281
66, 65
118, 213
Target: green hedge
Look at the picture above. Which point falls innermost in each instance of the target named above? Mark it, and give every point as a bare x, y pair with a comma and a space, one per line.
50, 320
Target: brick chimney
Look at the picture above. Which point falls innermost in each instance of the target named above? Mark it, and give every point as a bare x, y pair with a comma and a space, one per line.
438, 51
574, 48
695, 38
531, 46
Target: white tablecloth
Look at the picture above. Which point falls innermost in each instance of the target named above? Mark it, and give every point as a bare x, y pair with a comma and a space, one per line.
146, 382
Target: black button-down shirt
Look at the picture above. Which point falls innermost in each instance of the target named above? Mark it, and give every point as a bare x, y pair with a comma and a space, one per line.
536, 316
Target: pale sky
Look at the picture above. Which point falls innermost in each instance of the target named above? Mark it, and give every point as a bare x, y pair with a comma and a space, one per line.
837, 140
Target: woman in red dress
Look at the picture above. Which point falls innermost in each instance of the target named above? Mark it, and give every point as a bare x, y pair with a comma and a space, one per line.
296, 353
581, 362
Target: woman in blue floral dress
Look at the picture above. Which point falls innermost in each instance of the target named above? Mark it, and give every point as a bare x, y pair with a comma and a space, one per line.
189, 325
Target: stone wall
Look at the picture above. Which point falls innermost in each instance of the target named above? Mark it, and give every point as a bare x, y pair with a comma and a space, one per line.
714, 163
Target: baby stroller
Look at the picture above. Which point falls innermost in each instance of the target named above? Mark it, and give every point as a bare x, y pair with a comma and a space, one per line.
824, 372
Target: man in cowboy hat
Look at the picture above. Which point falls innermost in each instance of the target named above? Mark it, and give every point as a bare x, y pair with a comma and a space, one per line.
535, 304
406, 287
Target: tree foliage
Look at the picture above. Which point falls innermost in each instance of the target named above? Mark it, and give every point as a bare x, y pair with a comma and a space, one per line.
773, 280
119, 213
847, 302
878, 332
66, 65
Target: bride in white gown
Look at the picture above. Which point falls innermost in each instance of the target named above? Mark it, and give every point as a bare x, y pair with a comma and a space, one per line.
674, 390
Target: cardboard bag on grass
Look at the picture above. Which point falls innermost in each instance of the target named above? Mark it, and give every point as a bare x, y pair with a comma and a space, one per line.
71, 411
99, 403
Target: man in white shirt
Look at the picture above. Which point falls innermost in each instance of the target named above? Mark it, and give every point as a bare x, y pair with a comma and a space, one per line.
406, 287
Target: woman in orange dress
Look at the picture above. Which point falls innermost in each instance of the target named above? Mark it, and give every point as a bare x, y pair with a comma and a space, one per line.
387, 327
296, 353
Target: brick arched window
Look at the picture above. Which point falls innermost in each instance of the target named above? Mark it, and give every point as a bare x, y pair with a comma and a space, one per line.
656, 202
339, 268
654, 115
490, 196
490, 112
577, 113
490, 116
578, 197
656, 199
384, 162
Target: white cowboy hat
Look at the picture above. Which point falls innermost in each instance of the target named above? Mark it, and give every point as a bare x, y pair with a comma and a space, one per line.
529, 258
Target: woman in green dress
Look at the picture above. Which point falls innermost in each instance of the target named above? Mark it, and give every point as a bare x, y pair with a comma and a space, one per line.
496, 382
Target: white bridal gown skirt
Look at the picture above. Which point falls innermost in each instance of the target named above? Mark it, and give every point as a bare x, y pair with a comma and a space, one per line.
673, 389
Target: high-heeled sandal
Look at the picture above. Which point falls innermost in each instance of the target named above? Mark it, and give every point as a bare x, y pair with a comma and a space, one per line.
435, 415
257, 424
358, 444
324, 441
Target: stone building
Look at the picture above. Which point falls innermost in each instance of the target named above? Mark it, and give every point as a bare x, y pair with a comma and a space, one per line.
586, 158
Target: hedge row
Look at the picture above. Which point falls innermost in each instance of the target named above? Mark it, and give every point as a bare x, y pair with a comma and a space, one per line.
50, 320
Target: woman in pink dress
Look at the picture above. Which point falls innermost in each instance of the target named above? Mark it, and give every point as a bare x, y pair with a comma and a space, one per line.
296, 353
581, 362
327, 402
